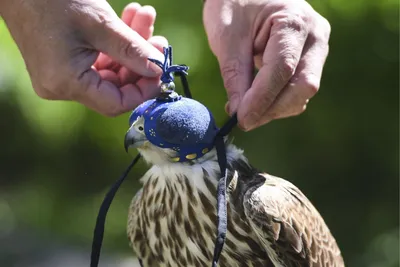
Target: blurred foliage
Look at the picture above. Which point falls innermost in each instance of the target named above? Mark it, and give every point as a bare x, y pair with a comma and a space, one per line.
58, 158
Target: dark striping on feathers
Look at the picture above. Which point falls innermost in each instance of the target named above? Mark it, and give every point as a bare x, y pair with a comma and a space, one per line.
192, 197
181, 219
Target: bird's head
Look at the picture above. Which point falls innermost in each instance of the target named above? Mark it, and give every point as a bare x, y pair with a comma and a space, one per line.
171, 128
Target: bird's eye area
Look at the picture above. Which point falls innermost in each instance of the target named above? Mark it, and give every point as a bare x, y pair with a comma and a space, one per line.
140, 128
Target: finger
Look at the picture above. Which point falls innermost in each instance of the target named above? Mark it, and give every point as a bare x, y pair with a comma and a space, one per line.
232, 44
236, 68
104, 61
159, 42
140, 19
126, 76
304, 84
129, 13
133, 95
290, 102
97, 94
143, 22
110, 76
280, 59
105, 98
125, 46
148, 87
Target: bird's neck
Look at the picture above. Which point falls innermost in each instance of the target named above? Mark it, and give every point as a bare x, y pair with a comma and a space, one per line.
195, 170
197, 180
178, 203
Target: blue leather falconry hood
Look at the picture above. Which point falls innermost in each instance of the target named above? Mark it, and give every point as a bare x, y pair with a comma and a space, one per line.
176, 122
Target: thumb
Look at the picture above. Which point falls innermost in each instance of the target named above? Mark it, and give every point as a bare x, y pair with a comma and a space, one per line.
126, 47
236, 67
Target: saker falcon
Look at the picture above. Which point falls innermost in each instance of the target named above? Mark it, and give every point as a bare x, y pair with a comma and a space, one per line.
172, 219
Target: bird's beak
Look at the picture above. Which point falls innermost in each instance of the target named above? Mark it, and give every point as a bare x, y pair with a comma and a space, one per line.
133, 139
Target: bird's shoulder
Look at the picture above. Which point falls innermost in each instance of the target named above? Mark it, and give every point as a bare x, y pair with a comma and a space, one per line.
287, 223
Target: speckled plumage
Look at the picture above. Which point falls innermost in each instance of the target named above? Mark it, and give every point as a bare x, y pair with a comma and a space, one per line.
172, 219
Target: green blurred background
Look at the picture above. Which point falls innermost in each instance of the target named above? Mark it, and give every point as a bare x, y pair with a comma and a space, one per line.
58, 159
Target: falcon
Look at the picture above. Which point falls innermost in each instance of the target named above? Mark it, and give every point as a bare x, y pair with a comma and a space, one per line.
172, 220
177, 215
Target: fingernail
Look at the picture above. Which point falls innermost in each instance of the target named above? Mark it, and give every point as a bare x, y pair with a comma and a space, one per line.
250, 121
227, 107
154, 69
233, 104
158, 56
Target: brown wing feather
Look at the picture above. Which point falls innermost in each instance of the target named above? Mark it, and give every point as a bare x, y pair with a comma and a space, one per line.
289, 227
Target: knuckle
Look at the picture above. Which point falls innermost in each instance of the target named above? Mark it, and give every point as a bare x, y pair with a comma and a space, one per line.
288, 65
112, 112
230, 72
326, 26
311, 84
285, 69
322, 30
95, 18
129, 49
102, 18
294, 22
297, 23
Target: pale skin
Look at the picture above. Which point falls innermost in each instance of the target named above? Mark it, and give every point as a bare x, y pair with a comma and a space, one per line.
80, 50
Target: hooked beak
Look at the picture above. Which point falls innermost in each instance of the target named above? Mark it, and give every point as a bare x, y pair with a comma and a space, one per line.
133, 139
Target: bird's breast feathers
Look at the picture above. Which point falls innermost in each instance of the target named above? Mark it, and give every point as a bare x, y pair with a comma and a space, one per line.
172, 220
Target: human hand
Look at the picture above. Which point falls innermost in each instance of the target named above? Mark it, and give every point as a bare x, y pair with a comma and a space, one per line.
61, 42
286, 40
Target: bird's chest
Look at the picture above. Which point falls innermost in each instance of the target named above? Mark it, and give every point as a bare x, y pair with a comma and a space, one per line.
173, 223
